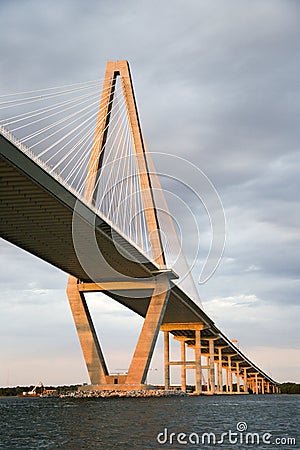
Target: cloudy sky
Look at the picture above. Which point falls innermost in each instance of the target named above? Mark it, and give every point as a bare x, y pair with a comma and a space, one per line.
217, 83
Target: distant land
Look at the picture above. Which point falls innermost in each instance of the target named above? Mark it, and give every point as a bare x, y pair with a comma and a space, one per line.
286, 388
18, 390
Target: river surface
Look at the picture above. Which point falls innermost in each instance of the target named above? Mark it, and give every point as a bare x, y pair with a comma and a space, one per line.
230, 422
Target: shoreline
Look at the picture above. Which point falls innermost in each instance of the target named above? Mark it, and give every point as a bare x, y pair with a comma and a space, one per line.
155, 393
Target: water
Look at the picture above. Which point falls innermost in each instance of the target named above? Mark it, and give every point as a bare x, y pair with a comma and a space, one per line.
36, 423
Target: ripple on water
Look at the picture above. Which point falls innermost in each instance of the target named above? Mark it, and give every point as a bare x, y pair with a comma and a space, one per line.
135, 423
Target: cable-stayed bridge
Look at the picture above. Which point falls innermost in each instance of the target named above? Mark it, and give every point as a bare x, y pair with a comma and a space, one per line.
80, 191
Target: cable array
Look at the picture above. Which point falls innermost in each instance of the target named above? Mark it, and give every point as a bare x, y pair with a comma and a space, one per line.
171, 236
57, 128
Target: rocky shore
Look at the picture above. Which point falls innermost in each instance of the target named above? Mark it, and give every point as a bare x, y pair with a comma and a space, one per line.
119, 394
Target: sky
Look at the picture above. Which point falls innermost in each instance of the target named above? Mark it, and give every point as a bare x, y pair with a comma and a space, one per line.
217, 84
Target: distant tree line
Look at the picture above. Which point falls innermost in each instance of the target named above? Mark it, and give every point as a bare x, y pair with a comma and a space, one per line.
285, 388
18, 390
290, 388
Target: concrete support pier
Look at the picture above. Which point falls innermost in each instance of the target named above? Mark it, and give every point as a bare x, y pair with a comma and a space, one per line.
185, 364
256, 383
220, 372
229, 374
144, 350
167, 359
183, 367
238, 386
246, 390
94, 358
211, 366
88, 339
198, 361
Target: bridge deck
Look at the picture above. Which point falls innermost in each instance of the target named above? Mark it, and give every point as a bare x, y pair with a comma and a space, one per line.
36, 215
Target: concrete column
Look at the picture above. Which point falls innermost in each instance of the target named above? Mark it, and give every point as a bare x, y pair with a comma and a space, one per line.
198, 361
256, 384
220, 377
207, 366
251, 384
211, 365
268, 387
141, 359
183, 367
90, 345
227, 380
262, 386
167, 359
230, 373
245, 381
238, 387
248, 381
